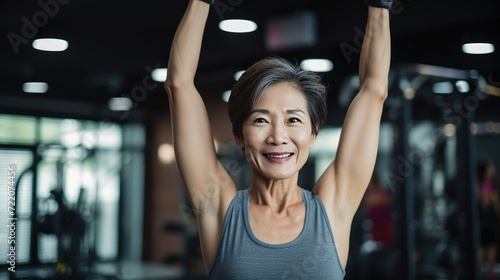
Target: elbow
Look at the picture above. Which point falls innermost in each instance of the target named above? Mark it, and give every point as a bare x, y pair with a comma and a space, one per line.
377, 88
169, 86
170, 83
173, 84
382, 94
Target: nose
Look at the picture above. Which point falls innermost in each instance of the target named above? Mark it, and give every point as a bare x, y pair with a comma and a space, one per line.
278, 135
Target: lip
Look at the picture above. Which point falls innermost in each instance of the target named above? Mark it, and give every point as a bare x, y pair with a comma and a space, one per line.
278, 157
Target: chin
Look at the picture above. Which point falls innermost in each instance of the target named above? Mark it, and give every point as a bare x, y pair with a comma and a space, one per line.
277, 175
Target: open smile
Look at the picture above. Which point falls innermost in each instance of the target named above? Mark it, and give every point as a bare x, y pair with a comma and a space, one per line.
278, 157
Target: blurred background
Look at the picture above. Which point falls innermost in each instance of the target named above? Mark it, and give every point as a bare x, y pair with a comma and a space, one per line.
84, 118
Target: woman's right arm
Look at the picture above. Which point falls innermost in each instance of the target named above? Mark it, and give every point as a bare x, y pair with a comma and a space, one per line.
209, 187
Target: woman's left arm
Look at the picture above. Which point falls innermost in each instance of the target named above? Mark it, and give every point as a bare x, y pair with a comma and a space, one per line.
344, 183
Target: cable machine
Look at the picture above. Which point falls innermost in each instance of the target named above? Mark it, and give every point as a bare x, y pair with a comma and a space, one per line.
429, 163
71, 224
449, 98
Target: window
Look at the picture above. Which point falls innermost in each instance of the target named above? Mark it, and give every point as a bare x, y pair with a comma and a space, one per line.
69, 184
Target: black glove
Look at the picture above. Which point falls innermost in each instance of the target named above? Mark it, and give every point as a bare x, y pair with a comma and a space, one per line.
386, 4
209, 1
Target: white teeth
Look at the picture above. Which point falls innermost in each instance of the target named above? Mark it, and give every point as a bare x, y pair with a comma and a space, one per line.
278, 156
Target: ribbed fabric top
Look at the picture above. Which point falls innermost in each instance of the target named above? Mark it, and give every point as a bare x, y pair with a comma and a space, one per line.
312, 255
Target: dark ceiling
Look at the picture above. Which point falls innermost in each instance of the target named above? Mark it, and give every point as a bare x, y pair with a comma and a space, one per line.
114, 44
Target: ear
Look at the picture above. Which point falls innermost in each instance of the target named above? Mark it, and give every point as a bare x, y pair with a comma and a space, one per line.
311, 141
313, 137
240, 142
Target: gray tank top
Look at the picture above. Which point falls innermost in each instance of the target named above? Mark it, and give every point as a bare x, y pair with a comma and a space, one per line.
312, 255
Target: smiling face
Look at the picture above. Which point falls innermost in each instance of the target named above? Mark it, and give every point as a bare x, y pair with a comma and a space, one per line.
277, 133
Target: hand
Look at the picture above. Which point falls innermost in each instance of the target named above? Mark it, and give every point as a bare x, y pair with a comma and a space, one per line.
386, 4
208, 1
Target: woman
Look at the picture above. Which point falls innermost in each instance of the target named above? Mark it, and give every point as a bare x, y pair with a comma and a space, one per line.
489, 213
274, 228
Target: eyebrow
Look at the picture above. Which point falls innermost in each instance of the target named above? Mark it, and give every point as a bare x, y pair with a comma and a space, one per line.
262, 111
265, 111
292, 111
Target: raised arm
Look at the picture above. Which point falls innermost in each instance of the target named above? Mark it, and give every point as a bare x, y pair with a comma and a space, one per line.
357, 150
208, 185
376, 52
344, 182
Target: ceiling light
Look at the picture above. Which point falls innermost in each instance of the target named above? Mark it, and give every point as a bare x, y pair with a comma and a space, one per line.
225, 95
478, 48
35, 87
462, 86
120, 104
238, 74
159, 74
237, 25
442, 88
50, 45
317, 65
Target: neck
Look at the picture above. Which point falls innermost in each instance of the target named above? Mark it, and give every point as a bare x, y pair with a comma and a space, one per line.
278, 194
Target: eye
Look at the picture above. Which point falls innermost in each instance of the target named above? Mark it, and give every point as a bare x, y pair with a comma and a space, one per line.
294, 120
260, 120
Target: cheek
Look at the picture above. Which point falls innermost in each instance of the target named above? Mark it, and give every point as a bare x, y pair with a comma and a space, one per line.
303, 138
254, 137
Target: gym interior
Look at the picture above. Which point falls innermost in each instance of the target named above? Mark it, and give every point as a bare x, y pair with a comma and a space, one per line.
89, 185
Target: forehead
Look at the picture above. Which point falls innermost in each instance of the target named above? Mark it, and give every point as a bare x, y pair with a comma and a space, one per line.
282, 95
